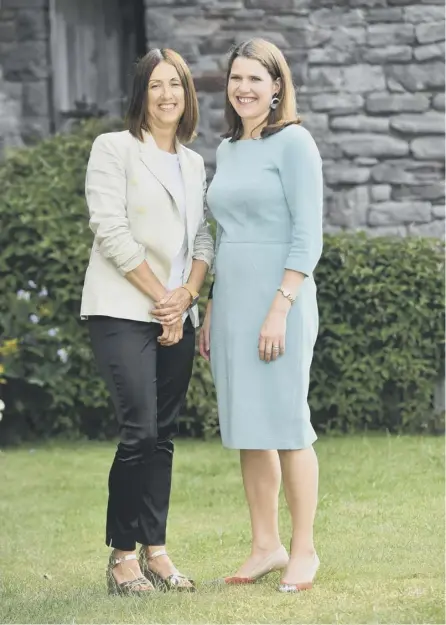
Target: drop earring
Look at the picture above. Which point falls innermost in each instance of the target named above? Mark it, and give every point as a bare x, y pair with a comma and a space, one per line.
274, 103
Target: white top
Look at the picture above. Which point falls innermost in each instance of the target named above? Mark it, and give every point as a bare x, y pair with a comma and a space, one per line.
171, 163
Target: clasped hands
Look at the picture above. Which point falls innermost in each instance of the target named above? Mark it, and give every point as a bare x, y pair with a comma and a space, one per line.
169, 311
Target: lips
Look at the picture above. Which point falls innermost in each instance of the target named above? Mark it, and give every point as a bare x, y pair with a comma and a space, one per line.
167, 107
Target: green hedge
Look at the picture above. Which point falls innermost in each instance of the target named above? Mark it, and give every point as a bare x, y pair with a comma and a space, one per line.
378, 357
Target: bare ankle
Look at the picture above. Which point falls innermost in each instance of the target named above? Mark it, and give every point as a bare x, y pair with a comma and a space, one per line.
265, 547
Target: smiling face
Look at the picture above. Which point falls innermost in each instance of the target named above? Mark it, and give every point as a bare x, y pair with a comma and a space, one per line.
250, 89
166, 100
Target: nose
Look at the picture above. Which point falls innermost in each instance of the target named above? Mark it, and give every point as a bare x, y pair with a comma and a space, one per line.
166, 92
244, 87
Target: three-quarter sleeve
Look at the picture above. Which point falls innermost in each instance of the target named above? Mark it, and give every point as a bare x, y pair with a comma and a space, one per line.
204, 243
300, 171
105, 190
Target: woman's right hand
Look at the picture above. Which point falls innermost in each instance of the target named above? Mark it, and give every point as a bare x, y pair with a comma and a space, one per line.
205, 334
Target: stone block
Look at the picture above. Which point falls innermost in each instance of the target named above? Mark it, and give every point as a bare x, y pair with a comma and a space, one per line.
429, 191
338, 104
368, 3
308, 37
315, 122
365, 161
161, 22
330, 56
24, 4
217, 44
328, 147
196, 27
422, 13
386, 231
428, 148
25, 62
32, 25
407, 171
410, 2
345, 173
380, 192
360, 123
430, 32
438, 102
424, 124
372, 145
344, 38
363, 78
393, 54
348, 209
279, 5
433, 229
385, 103
336, 17
390, 34
429, 52
422, 77
324, 79
397, 213
438, 211
210, 82
384, 15
35, 99
285, 22
8, 31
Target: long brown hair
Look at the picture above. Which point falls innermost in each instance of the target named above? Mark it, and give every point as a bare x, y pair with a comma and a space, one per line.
137, 113
274, 62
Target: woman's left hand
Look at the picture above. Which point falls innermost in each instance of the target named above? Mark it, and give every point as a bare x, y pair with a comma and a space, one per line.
170, 309
272, 335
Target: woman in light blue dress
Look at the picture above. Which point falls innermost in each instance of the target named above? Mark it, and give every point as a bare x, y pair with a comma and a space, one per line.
262, 319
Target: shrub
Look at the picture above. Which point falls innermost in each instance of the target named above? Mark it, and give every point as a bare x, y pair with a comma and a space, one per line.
377, 359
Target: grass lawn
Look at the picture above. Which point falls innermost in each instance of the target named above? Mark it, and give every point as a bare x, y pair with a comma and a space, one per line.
380, 537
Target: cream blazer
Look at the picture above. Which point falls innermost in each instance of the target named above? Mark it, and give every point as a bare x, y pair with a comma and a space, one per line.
134, 216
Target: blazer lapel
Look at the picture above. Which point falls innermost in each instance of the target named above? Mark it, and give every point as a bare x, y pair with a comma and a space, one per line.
148, 152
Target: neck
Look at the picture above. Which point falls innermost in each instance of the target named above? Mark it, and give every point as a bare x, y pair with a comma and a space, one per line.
252, 128
164, 138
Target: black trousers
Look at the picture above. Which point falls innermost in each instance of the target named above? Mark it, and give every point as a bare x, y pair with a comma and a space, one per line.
147, 384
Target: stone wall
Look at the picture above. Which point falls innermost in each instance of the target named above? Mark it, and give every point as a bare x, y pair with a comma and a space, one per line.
370, 84
24, 72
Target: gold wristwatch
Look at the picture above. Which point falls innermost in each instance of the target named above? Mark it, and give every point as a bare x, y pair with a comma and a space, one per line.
194, 295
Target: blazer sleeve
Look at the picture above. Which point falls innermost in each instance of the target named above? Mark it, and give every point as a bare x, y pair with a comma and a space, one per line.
105, 190
301, 175
204, 243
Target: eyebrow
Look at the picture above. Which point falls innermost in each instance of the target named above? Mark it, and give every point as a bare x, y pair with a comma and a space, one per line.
159, 79
250, 76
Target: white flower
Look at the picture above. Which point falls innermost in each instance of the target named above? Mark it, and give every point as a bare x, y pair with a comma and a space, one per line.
43, 292
2, 407
32, 284
53, 331
63, 355
23, 295
34, 319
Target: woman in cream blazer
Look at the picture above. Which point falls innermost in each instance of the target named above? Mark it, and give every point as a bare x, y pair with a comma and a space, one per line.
151, 252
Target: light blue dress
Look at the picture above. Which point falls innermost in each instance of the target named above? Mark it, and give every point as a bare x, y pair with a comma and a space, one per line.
266, 197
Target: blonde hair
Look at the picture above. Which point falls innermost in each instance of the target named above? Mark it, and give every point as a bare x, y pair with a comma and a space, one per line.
274, 62
137, 114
